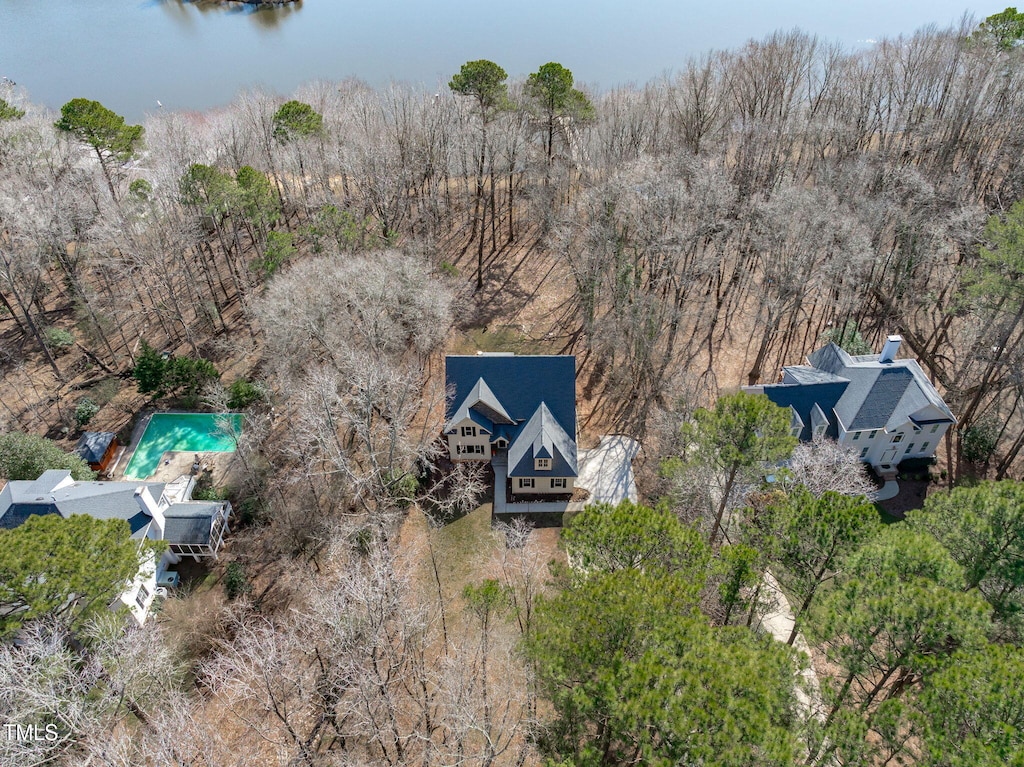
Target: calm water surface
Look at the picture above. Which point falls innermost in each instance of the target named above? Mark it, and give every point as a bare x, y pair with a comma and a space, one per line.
129, 54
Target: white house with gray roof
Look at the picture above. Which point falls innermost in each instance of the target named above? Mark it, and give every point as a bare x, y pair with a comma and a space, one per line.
519, 409
885, 408
153, 510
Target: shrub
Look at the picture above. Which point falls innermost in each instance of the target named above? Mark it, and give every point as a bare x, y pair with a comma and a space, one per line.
140, 189
250, 510
402, 488
85, 411
58, 340
243, 393
279, 248
236, 583
189, 375
979, 441
26, 456
150, 368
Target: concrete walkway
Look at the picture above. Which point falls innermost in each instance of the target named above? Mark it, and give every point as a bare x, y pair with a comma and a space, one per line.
607, 470
890, 489
778, 621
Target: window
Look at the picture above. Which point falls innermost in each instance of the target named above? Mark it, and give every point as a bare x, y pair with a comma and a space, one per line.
910, 448
924, 447
873, 433
468, 431
501, 443
469, 449
897, 438
856, 435
935, 428
542, 464
864, 452
141, 597
525, 482
557, 483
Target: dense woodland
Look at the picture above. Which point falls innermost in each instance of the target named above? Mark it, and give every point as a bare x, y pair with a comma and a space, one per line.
322, 253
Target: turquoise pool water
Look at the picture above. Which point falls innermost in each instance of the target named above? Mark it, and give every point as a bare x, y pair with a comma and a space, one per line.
191, 432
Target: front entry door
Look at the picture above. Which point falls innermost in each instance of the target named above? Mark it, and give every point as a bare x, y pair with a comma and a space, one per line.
889, 456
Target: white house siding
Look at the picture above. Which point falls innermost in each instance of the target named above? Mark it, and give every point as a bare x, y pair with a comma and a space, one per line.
542, 486
482, 439
882, 449
144, 586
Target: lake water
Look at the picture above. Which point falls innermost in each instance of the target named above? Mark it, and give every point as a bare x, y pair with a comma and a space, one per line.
130, 54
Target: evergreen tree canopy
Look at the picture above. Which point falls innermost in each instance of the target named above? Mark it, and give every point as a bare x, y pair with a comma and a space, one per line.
296, 119
982, 527
10, 112
69, 569
973, 710
1005, 29
485, 81
636, 675
606, 538
98, 127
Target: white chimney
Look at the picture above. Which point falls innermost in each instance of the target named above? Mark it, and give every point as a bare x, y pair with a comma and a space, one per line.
152, 509
892, 346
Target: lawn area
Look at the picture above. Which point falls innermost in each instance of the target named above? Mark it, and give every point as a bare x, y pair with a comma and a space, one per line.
499, 338
465, 551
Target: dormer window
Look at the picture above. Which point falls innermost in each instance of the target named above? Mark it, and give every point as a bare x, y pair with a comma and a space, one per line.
468, 431
542, 464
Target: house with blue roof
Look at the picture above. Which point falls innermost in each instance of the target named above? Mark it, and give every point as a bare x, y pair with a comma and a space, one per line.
515, 409
158, 511
884, 407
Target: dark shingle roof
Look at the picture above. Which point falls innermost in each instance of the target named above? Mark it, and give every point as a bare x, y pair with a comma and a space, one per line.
872, 397
542, 437
190, 522
803, 397
871, 394
520, 384
54, 492
93, 445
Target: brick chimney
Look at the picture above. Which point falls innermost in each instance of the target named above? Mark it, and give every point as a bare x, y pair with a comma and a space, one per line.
892, 346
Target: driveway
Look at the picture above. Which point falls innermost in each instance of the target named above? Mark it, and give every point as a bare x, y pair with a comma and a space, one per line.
607, 470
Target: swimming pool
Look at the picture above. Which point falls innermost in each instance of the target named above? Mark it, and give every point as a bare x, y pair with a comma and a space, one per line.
191, 432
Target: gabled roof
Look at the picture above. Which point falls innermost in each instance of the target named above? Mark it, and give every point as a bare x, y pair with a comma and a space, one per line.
803, 397
55, 493
481, 406
861, 391
542, 437
518, 384
93, 445
880, 394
